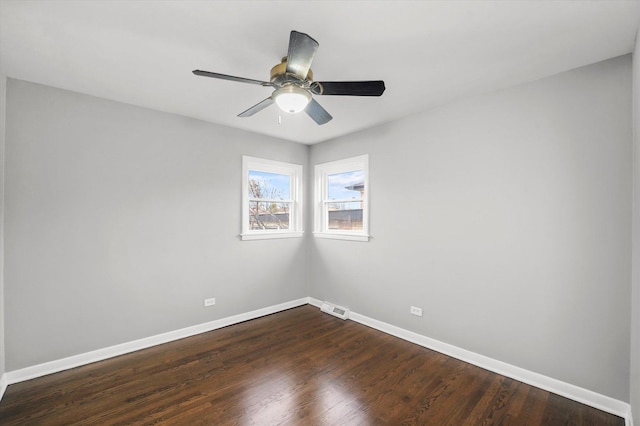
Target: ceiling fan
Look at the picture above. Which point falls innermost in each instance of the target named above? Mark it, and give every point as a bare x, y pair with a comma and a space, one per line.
293, 82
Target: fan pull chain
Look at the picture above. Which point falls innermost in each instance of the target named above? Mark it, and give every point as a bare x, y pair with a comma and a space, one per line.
279, 118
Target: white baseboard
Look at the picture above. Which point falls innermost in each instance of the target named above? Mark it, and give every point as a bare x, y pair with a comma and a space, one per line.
56, 366
576, 393
315, 302
3, 385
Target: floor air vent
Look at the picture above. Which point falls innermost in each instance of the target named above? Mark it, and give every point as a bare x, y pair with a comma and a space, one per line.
337, 311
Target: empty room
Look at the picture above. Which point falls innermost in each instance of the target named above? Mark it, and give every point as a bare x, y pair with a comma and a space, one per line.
319, 212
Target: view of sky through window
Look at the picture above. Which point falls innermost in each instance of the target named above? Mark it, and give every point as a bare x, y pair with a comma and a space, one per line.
273, 185
346, 186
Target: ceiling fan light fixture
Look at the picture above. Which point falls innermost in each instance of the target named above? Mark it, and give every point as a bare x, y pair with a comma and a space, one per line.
294, 86
291, 98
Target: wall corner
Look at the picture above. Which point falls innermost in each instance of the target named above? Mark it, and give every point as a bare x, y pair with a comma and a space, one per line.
634, 378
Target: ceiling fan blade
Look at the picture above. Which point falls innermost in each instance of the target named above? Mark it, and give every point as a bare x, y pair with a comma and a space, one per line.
302, 49
231, 78
317, 113
348, 88
256, 108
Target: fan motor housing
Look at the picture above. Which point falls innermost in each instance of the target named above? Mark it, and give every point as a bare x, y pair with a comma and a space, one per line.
279, 73
293, 82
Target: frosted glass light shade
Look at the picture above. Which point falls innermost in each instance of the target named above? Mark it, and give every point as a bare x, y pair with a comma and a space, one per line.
292, 99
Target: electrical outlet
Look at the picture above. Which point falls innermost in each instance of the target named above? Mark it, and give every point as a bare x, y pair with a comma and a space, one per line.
416, 311
210, 302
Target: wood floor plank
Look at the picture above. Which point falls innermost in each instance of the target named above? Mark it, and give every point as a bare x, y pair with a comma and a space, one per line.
297, 367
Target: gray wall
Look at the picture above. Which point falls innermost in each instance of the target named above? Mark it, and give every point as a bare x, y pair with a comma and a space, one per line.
635, 300
3, 93
121, 220
519, 244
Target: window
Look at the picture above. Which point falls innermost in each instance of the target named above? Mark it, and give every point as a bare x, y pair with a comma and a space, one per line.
271, 200
341, 199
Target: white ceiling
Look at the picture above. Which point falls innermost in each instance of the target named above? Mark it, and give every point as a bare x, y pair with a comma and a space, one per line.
428, 53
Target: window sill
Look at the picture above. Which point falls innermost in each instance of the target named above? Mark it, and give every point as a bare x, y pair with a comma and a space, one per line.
349, 237
270, 236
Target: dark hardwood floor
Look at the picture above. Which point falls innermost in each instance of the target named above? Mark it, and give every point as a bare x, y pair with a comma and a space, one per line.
297, 367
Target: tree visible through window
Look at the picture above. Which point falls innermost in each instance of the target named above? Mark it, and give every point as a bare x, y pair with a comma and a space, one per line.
272, 199
269, 200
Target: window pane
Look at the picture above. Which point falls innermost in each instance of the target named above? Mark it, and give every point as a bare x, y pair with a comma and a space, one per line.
345, 216
270, 186
268, 215
345, 186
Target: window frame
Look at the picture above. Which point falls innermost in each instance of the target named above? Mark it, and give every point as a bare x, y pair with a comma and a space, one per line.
294, 171
321, 174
